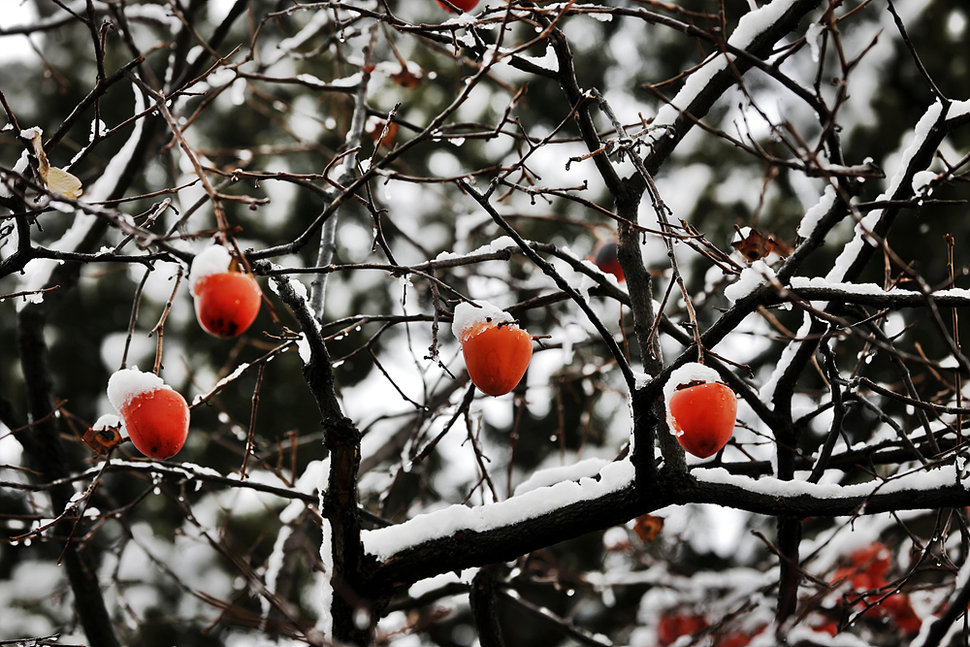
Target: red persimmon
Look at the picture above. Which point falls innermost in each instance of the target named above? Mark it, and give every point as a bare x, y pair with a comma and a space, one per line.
496, 356
464, 5
497, 351
226, 301
604, 257
156, 417
703, 417
226, 304
674, 624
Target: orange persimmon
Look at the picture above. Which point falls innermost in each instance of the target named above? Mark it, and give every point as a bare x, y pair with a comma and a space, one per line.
464, 5
155, 417
226, 304
703, 417
226, 301
496, 356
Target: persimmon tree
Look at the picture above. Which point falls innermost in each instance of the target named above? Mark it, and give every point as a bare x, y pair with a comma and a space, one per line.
785, 183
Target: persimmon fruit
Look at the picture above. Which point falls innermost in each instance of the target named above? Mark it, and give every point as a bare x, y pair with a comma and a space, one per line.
464, 5
869, 567
496, 355
155, 416
675, 624
868, 574
226, 301
703, 417
157, 422
226, 304
604, 257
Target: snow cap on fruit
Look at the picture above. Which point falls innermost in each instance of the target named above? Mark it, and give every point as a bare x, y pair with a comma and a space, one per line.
214, 259
125, 384
470, 320
691, 372
155, 415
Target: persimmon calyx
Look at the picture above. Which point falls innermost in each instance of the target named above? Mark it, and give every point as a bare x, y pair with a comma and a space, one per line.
105, 434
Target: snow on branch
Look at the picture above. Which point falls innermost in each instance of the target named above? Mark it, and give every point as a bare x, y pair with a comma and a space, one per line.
756, 33
918, 488
385, 543
464, 537
819, 289
928, 133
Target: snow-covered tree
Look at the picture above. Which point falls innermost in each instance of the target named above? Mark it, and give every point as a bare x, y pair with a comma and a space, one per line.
769, 196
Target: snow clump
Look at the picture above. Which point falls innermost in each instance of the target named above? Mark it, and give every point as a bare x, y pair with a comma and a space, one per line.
470, 319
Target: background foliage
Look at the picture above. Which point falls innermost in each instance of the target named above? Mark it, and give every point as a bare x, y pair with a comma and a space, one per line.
851, 379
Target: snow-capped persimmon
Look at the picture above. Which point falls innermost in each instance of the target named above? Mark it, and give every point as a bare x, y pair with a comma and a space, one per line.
701, 410
226, 304
703, 417
464, 5
226, 301
155, 416
604, 257
497, 352
497, 356
157, 422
